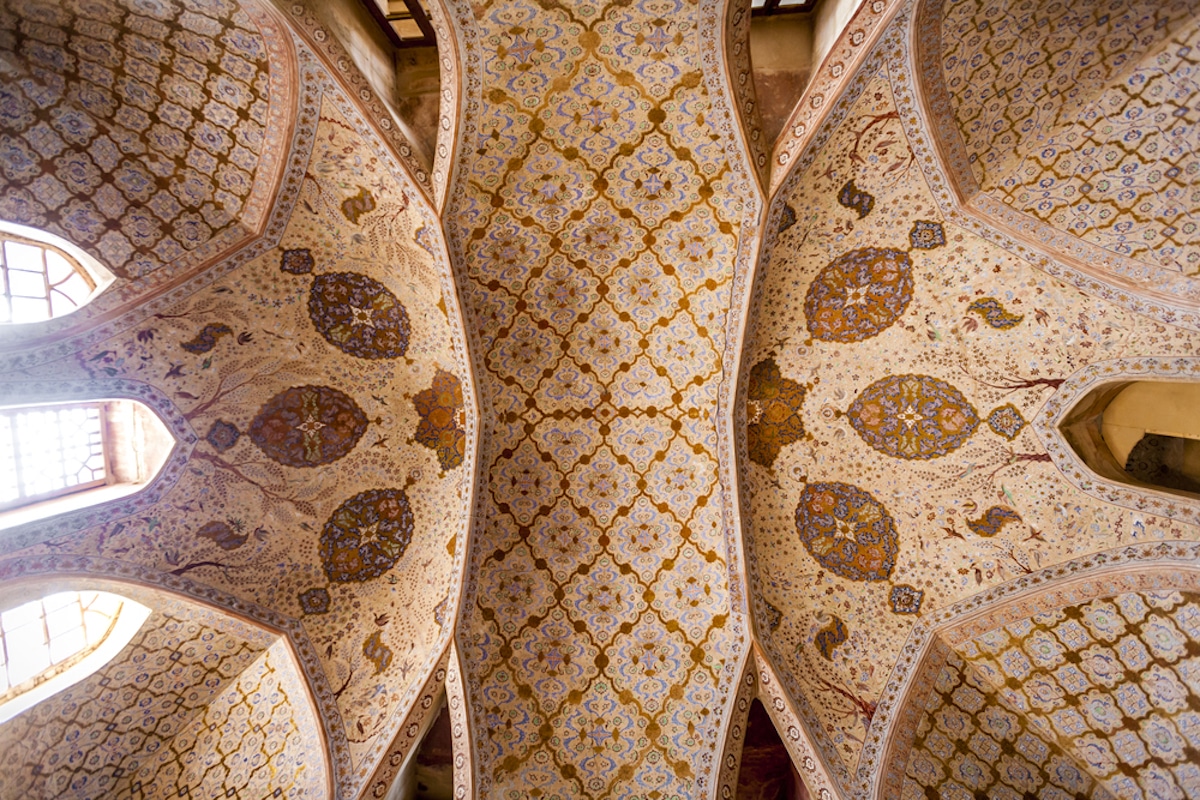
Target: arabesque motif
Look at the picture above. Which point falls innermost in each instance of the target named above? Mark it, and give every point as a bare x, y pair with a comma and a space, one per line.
443, 424
772, 412
859, 294
847, 531
358, 315
307, 426
366, 535
912, 417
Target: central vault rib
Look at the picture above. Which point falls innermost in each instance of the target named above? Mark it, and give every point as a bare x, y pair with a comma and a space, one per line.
601, 214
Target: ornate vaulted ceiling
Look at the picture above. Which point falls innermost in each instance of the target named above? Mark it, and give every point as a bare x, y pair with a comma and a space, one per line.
616, 416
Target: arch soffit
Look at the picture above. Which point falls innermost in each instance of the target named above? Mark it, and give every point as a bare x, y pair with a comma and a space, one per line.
176, 270
1071, 464
57, 525
142, 584
1142, 567
929, 114
759, 680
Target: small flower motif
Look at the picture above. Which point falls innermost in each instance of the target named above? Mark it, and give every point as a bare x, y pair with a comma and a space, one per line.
222, 435
927, 235
314, 601
906, 599
1006, 421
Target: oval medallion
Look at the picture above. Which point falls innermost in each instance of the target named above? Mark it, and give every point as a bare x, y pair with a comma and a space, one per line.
366, 535
847, 531
912, 416
307, 426
859, 294
358, 315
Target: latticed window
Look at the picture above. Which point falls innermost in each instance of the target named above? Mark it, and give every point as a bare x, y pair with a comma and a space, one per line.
50, 451
39, 281
41, 639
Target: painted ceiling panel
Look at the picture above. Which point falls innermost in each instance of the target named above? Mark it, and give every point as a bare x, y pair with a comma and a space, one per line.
601, 208
1075, 119
320, 377
261, 725
896, 364
907, 355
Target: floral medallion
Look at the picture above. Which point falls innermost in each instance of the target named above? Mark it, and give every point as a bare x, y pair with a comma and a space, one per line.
912, 416
358, 315
366, 535
847, 531
222, 435
906, 599
307, 426
772, 412
315, 601
1006, 421
443, 419
297, 262
859, 295
926, 235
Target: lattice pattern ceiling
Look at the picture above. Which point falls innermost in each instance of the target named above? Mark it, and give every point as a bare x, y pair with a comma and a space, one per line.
599, 225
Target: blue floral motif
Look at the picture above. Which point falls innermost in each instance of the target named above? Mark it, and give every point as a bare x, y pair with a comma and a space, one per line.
926, 235
1006, 421
847, 531
906, 599
315, 601
859, 295
912, 417
366, 535
222, 435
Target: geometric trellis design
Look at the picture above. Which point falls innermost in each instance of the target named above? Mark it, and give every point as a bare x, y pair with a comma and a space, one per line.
1106, 692
597, 233
112, 722
258, 725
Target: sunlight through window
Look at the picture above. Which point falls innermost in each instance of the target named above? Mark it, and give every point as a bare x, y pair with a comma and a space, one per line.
49, 644
50, 451
39, 281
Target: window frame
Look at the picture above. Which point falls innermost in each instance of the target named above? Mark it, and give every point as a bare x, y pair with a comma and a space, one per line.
94, 273
77, 268
24, 501
127, 621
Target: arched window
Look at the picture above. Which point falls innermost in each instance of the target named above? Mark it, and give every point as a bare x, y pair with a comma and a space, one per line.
43, 276
1142, 433
59, 457
56, 641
